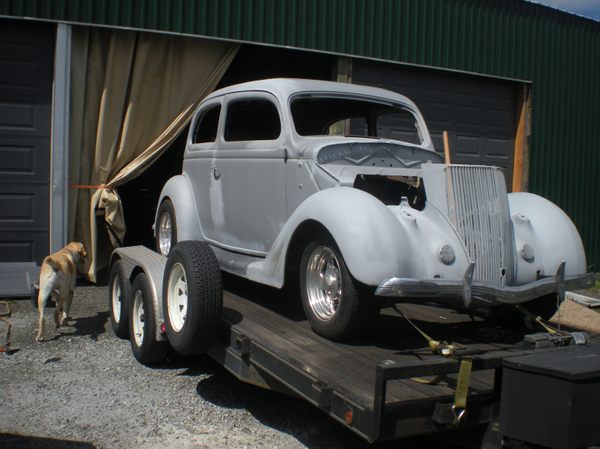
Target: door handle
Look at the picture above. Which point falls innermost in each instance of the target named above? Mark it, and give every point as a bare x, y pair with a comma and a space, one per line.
216, 172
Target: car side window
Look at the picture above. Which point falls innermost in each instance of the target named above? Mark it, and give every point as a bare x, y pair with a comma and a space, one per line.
252, 119
207, 125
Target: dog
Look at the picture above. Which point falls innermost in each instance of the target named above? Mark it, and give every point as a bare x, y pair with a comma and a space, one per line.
57, 279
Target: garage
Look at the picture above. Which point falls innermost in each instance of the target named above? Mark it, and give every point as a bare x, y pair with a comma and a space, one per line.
512, 82
26, 57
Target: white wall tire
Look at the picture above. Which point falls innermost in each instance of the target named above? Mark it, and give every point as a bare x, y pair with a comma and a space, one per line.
192, 297
118, 296
142, 324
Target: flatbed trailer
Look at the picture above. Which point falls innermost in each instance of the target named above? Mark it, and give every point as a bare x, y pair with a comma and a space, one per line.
374, 387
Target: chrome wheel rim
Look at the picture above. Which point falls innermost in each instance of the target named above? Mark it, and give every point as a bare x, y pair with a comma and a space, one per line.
165, 226
177, 297
116, 299
323, 283
138, 318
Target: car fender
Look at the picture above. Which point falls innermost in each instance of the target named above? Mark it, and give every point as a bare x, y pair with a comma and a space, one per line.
179, 191
377, 242
549, 232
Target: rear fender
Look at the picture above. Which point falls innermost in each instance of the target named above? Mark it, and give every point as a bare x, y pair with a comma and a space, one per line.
179, 191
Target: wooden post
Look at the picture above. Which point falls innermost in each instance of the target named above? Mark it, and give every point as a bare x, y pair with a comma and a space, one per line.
520, 179
446, 148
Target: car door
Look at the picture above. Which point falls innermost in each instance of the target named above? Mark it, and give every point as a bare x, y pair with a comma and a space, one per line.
199, 157
248, 179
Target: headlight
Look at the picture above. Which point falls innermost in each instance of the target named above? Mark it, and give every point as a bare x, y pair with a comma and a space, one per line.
527, 252
447, 255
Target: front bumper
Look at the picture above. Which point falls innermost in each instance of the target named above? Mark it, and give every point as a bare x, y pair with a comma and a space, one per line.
467, 289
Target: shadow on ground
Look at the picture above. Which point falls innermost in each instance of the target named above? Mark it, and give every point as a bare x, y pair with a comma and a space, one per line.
13, 441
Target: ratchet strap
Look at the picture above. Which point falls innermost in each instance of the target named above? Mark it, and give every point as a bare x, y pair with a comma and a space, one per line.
445, 349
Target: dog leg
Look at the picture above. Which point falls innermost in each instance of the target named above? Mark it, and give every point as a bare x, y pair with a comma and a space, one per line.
43, 296
57, 311
65, 315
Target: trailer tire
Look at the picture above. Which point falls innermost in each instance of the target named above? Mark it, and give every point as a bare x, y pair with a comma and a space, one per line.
142, 324
165, 228
118, 297
192, 297
343, 318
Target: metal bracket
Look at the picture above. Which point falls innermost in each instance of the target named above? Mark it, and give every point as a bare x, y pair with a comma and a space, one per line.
243, 344
467, 283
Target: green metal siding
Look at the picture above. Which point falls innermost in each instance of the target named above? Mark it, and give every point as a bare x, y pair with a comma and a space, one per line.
559, 53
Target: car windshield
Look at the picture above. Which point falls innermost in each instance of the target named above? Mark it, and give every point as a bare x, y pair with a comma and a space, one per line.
318, 115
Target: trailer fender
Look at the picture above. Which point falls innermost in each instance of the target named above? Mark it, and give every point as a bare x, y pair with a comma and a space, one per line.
544, 237
179, 191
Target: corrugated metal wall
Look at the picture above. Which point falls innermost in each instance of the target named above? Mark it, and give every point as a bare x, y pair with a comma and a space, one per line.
559, 53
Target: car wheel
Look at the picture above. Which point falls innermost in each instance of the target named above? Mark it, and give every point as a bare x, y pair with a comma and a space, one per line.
165, 228
330, 296
142, 324
544, 306
118, 295
192, 297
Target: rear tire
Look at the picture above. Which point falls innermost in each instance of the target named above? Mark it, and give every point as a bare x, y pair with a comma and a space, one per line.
165, 228
192, 297
118, 296
142, 324
332, 302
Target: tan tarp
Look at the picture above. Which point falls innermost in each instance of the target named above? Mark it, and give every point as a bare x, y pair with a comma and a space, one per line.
131, 94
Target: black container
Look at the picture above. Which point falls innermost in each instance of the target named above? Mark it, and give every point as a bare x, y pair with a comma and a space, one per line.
553, 398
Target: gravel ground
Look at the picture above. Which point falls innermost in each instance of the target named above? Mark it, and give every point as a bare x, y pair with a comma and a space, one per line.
82, 388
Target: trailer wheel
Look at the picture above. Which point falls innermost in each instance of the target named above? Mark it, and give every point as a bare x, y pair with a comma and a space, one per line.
165, 228
142, 324
118, 295
333, 302
192, 297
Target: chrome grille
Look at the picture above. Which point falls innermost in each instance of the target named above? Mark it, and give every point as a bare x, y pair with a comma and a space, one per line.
478, 207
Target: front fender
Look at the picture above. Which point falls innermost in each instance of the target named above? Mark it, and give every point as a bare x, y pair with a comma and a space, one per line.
550, 232
179, 191
376, 241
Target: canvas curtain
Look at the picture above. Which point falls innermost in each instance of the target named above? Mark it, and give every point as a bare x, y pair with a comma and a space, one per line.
131, 94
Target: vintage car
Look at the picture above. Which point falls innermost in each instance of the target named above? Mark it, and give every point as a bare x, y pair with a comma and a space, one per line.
339, 186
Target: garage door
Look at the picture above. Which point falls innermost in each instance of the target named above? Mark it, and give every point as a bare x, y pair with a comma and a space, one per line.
26, 52
478, 113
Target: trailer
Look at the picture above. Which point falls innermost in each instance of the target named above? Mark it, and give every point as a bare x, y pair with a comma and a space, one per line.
541, 388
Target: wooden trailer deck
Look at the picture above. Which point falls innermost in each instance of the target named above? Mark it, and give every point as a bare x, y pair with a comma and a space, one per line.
271, 342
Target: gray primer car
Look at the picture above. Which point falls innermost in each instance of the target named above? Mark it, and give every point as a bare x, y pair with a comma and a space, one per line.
339, 185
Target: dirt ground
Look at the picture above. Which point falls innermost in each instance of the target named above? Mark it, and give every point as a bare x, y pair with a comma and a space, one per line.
83, 389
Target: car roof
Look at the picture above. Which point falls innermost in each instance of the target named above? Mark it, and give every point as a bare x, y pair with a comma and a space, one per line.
286, 87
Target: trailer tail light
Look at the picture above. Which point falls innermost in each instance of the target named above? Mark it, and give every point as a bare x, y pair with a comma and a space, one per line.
163, 328
349, 416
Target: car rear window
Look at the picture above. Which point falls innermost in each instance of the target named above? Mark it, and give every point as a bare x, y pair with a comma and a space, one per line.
252, 119
207, 125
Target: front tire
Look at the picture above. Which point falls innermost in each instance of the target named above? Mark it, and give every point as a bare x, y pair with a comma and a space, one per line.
118, 295
142, 324
165, 228
331, 299
192, 297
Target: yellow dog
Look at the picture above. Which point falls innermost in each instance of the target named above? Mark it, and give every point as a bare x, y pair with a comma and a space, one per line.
57, 278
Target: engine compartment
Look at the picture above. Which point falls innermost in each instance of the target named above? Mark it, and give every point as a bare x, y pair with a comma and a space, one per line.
391, 189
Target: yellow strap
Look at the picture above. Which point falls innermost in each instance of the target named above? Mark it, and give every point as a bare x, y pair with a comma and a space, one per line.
462, 389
